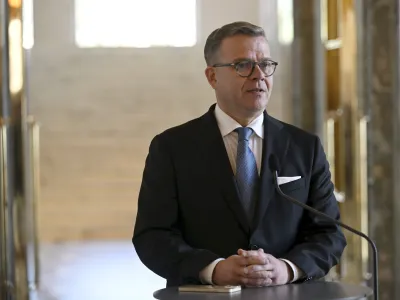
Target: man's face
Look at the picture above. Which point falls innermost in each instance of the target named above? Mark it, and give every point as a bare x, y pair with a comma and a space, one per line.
241, 97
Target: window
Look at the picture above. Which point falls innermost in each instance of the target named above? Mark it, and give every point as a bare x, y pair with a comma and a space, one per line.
285, 19
135, 23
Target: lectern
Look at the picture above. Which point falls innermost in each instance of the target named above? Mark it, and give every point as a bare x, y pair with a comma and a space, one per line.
320, 290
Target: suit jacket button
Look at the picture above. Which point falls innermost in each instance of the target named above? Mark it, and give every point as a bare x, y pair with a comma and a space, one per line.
253, 247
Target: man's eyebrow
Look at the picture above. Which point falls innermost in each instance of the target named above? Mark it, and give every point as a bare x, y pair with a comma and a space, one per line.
241, 59
248, 59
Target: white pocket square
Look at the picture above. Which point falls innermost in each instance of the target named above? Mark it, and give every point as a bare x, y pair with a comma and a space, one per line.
282, 180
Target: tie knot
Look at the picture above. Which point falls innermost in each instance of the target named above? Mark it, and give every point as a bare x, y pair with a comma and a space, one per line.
244, 133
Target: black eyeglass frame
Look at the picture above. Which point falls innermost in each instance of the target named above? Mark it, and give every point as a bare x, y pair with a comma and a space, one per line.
254, 63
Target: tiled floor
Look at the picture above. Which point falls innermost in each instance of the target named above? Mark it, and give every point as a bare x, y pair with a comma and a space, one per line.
95, 271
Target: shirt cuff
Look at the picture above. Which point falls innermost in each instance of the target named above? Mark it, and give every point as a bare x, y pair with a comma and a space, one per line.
297, 272
206, 274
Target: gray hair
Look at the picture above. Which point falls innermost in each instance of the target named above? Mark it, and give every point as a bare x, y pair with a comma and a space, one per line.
215, 39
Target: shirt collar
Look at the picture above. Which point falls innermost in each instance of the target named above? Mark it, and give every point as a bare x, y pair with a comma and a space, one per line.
227, 124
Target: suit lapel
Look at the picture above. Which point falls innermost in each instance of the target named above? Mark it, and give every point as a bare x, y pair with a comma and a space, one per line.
221, 170
275, 142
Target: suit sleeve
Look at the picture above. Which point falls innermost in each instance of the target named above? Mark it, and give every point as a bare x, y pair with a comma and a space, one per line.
157, 237
320, 243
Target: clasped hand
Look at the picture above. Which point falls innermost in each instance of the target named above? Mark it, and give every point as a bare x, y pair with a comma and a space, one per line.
252, 269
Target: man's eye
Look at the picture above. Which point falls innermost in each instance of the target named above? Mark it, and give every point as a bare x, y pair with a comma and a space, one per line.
265, 64
244, 65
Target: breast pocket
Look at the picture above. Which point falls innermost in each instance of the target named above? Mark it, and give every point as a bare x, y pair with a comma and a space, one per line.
293, 185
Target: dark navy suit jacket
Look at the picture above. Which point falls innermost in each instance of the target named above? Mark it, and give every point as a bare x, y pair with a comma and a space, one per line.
189, 212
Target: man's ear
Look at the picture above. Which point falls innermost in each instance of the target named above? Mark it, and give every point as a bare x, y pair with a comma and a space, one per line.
211, 76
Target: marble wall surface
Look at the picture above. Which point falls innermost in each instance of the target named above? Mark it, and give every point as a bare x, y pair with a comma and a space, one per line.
380, 91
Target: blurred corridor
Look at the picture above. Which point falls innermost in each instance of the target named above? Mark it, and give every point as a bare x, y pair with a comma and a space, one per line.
94, 270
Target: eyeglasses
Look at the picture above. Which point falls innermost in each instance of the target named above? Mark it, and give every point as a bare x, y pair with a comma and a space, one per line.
245, 68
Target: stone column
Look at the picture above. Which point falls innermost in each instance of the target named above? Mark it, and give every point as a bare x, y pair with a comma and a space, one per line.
379, 88
308, 67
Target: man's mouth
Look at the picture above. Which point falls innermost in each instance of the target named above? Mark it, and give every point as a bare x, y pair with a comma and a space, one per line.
256, 90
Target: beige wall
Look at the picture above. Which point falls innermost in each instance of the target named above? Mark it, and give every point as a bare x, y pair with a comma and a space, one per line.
99, 109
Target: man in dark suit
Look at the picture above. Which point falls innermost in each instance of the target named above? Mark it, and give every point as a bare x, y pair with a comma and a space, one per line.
208, 211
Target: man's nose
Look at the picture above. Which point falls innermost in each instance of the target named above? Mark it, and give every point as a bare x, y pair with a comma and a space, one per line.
257, 73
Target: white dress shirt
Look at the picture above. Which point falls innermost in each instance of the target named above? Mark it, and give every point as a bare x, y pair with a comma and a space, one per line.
227, 125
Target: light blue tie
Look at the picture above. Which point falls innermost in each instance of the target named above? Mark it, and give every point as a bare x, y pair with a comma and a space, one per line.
246, 172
